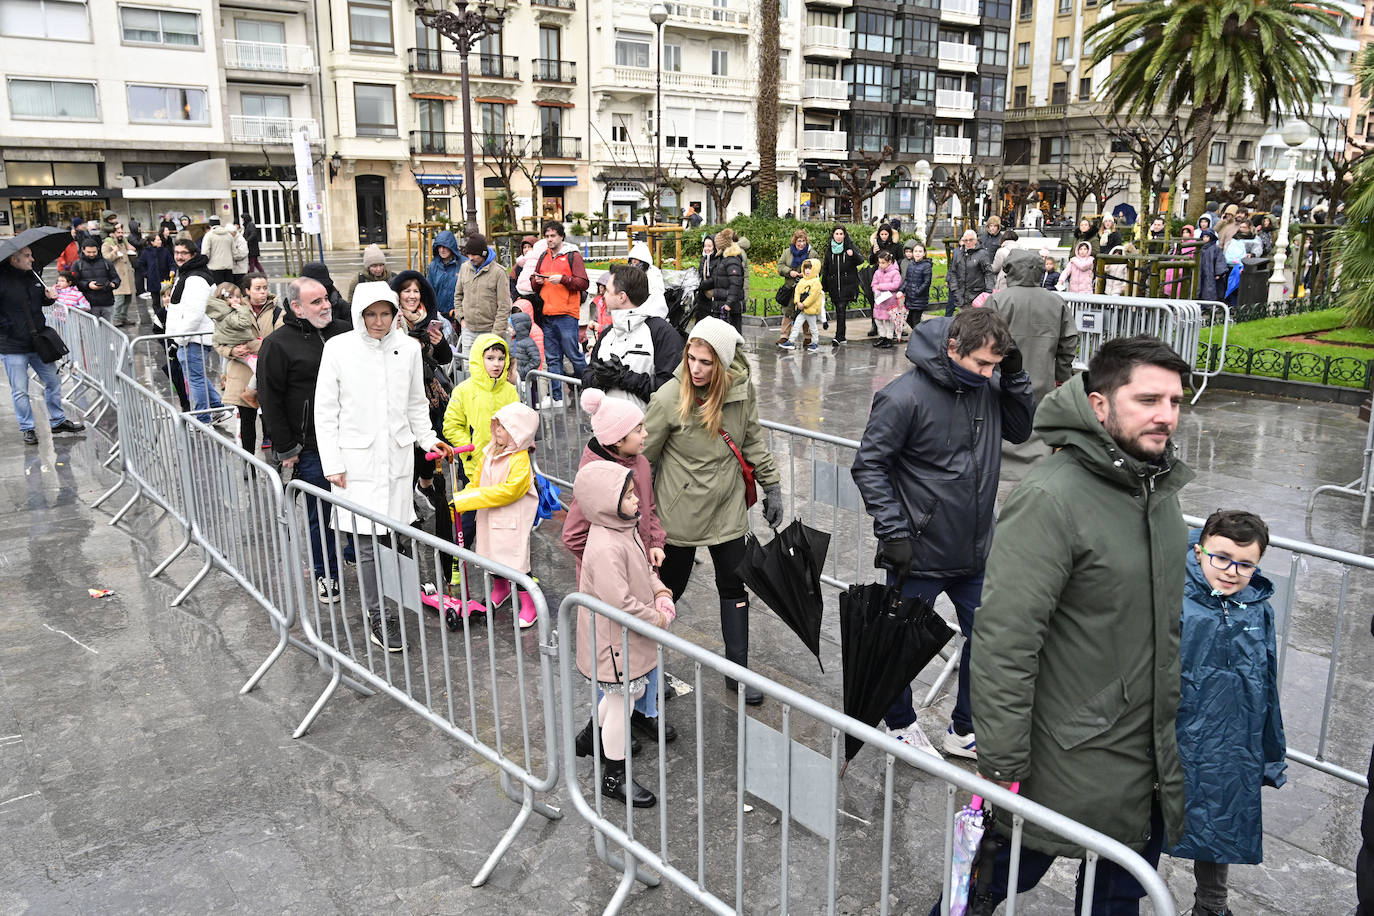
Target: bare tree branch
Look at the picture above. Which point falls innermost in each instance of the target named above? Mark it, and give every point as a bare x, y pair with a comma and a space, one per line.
723, 183
856, 178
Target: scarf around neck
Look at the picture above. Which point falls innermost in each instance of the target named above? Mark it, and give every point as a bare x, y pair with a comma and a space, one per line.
798, 257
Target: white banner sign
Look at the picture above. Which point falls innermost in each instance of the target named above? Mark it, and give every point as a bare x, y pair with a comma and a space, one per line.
305, 185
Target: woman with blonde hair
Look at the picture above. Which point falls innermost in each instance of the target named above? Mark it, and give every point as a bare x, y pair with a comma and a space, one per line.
710, 459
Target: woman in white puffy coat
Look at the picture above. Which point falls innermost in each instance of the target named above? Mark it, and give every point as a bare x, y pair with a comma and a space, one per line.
370, 413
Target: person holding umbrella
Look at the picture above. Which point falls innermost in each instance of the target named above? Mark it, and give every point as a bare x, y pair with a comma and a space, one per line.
22, 296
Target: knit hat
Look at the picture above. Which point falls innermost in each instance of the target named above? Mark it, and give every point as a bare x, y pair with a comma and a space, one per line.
372, 254
612, 418
78, 221
720, 335
476, 244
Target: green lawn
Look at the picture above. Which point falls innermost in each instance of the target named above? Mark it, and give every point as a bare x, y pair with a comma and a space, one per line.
1310, 365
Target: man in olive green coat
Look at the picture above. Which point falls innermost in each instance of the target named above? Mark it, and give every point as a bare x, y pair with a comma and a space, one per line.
1075, 671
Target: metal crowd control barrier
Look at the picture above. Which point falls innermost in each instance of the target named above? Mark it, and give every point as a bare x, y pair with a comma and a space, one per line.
1177, 322
1362, 488
80, 332
472, 706
1286, 607
795, 769
562, 431
148, 359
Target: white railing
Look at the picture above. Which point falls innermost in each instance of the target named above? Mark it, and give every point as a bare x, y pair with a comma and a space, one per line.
829, 140
952, 52
827, 36
959, 8
691, 83
266, 55
952, 147
249, 129
641, 155
707, 14
954, 98
833, 90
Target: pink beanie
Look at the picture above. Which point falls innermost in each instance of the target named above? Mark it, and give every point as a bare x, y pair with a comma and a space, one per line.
612, 418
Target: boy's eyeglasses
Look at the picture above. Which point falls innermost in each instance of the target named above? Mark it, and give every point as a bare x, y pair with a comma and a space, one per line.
1243, 569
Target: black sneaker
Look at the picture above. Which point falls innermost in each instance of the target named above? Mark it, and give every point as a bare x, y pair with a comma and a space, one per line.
327, 589
69, 428
30, 437
389, 639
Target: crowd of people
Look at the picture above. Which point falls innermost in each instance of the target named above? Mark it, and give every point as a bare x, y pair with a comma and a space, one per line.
1114, 668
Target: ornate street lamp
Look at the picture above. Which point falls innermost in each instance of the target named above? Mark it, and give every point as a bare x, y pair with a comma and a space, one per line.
465, 26
658, 14
1294, 135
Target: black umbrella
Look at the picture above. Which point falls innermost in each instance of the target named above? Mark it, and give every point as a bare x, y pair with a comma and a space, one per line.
46, 243
885, 641
785, 574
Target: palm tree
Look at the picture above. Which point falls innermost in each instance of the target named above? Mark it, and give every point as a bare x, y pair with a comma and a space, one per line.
1354, 249
766, 107
1221, 57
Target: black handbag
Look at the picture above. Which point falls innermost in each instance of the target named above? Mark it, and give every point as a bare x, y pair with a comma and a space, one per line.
47, 343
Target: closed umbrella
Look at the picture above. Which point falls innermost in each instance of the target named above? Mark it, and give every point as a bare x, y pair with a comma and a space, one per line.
785, 573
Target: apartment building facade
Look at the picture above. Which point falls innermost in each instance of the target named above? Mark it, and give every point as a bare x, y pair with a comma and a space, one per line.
105, 102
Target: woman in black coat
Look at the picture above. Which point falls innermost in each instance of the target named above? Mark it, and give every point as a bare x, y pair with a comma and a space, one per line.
731, 284
840, 276
704, 305
156, 264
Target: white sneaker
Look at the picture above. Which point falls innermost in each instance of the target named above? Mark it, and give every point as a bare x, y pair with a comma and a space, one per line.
957, 745
913, 735
545, 402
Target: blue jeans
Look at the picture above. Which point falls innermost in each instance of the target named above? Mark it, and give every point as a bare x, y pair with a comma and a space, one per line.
647, 704
310, 470
967, 593
560, 340
17, 368
204, 396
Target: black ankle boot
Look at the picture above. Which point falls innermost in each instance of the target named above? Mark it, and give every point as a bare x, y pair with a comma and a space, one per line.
614, 785
641, 724
583, 744
734, 627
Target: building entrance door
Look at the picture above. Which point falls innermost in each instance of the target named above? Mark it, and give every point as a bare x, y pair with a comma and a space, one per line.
371, 195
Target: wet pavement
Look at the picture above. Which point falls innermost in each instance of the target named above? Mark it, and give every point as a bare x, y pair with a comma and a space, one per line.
135, 778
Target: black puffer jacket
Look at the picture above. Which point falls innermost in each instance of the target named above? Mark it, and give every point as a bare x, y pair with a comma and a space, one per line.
288, 367
968, 276
96, 270
928, 464
19, 290
840, 272
730, 281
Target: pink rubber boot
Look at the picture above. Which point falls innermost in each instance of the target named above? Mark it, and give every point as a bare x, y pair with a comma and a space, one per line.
528, 613
500, 591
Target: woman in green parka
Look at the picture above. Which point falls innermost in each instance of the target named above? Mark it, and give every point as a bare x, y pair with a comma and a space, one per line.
695, 427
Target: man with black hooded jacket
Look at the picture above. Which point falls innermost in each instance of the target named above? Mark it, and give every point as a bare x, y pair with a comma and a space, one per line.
927, 469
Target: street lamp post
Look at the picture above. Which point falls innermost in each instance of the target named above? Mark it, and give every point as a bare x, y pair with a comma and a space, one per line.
1068, 65
464, 27
658, 14
1294, 134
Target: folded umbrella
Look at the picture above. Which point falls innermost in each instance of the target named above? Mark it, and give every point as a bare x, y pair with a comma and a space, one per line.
46, 243
885, 641
785, 575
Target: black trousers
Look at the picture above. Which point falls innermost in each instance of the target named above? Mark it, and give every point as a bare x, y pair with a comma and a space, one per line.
727, 556
841, 308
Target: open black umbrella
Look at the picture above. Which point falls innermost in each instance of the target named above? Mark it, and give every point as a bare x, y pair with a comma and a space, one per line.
785, 574
885, 641
46, 243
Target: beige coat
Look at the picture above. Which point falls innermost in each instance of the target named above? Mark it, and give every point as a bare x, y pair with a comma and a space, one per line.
620, 576
504, 492
117, 253
218, 248
236, 371
481, 298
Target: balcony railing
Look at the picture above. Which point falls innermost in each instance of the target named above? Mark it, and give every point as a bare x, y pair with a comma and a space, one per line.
707, 15
952, 147
488, 66
959, 10
825, 140
954, 99
959, 56
268, 56
825, 38
556, 147
694, 83
642, 155
450, 143
566, 5
554, 71
828, 90
251, 129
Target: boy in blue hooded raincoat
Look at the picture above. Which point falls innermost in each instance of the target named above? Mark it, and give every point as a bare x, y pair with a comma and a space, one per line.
1230, 729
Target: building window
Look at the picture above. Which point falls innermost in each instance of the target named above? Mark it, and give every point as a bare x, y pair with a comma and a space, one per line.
918, 37
1054, 150
262, 105
1018, 97
260, 30
720, 62
1085, 88
631, 49
1023, 54
1016, 151
620, 128
45, 19
52, 99
46, 174
550, 43
916, 136
374, 110
1027, 9
870, 82
991, 9
492, 117
869, 132
672, 58
1061, 48
369, 26
1059, 94
988, 141
996, 42
1217, 154
168, 104
1065, 7
991, 92
160, 27
915, 86
872, 31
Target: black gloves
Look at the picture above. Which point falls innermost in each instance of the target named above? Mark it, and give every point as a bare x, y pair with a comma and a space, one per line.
772, 505
606, 374
897, 555
1012, 363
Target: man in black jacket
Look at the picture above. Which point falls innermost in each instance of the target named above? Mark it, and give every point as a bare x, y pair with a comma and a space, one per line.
927, 469
969, 272
21, 292
97, 278
288, 367
640, 350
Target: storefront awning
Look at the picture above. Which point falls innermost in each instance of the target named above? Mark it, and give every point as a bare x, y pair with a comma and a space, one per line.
555, 181
204, 180
439, 179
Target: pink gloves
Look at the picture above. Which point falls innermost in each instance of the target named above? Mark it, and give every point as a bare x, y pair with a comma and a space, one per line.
664, 605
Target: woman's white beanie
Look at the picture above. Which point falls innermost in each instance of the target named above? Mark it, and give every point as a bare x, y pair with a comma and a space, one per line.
720, 335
